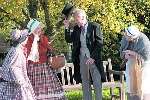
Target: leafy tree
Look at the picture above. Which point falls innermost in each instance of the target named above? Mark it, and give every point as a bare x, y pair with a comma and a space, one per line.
112, 15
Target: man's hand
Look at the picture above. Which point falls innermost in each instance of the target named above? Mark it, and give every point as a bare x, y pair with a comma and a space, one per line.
89, 61
66, 23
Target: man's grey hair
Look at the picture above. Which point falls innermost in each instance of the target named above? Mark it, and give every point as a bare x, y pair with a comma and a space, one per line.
76, 12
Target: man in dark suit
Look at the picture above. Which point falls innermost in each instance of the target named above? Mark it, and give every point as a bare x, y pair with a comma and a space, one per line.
87, 40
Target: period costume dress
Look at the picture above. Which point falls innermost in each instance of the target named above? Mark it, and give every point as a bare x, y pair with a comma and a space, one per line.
140, 47
16, 84
43, 78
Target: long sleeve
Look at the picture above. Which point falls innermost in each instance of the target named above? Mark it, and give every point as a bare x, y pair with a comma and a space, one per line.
143, 48
98, 36
34, 53
68, 36
122, 47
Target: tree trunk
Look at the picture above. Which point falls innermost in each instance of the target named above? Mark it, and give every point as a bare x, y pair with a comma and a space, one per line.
44, 4
32, 7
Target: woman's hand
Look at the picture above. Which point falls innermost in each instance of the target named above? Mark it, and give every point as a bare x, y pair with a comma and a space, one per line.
130, 54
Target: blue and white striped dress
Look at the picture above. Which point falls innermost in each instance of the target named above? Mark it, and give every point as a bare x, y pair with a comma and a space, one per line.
17, 85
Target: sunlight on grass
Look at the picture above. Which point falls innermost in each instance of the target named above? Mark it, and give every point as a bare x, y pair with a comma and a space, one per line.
77, 95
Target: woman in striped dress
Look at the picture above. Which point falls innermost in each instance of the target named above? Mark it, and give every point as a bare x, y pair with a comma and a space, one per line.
16, 84
43, 79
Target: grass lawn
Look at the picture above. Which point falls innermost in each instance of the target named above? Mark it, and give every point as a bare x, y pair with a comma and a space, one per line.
77, 95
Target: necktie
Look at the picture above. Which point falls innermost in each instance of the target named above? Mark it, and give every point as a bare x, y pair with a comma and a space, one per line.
83, 30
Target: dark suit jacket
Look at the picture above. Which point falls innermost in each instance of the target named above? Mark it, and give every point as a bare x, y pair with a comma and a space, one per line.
94, 40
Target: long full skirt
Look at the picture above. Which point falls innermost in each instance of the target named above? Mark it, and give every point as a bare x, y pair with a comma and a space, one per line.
45, 82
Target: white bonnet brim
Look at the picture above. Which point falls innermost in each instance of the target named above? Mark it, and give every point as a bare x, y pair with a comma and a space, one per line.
32, 25
132, 31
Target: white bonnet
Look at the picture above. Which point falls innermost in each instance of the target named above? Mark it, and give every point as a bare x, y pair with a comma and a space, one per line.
32, 25
132, 31
19, 35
